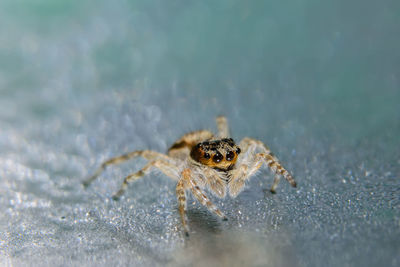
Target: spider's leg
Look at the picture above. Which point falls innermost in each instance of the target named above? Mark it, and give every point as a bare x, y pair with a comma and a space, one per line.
274, 164
165, 167
223, 128
147, 154
181, 195
250, 166
200, 196
275, 184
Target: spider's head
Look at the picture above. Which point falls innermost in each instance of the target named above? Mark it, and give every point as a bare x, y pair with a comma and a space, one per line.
219, 154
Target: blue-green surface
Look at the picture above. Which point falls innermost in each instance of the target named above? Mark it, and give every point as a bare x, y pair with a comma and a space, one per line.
81, 81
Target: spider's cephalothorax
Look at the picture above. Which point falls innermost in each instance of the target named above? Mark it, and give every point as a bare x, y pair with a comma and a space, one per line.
201, 160
218, 154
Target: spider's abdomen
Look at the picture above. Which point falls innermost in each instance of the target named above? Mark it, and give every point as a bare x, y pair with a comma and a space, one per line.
218, 154
182, 147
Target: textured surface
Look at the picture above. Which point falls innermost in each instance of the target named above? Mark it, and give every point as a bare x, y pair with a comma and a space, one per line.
83, 81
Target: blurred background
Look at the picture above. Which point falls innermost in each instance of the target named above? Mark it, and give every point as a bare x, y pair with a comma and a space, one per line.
82, 81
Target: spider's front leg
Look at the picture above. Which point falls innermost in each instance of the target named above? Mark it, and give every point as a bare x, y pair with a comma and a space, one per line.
274, 164
250, 165
187, 182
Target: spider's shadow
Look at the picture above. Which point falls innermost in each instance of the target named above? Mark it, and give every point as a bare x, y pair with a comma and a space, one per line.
201, 221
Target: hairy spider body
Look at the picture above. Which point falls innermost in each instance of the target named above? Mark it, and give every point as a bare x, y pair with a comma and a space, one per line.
200, 160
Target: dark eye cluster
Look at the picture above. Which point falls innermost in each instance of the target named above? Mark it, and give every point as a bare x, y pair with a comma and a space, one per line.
218, 157
230, 155
214, 146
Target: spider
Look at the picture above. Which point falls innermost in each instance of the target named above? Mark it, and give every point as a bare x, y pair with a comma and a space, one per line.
200, 160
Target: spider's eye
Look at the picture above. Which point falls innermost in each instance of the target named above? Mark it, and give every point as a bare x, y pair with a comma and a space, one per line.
218, 157
199, 145
230, 155
206, 155
238, 150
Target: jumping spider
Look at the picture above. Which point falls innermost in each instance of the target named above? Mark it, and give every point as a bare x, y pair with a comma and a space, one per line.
200, 160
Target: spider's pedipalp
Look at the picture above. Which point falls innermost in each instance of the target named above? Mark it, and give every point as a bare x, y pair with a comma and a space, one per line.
214, 181
238, 178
